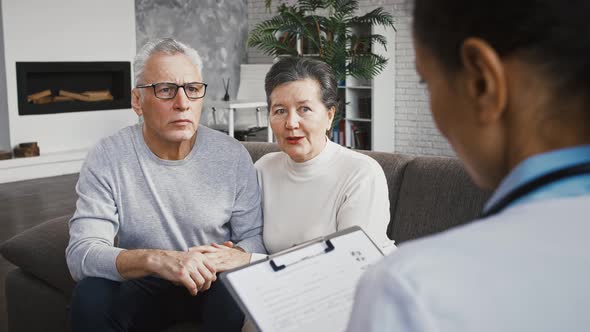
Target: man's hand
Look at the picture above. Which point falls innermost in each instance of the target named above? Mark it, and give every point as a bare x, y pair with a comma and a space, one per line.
223, 257
189, 269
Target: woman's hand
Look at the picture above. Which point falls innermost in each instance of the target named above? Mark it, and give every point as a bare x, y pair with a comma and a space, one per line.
223, 257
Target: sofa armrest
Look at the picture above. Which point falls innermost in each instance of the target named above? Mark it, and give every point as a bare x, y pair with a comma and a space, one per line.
40, 251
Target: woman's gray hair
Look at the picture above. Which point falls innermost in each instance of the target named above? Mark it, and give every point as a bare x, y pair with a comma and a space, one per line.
291, 69
167, 46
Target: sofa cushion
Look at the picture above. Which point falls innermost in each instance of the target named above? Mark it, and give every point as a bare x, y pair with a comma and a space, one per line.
41, 251
32, 305
435, 194
259, 149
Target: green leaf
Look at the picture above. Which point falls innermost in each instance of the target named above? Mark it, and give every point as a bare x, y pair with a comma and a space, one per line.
311, 5
377, 16
327, 26
366, 66
345, 8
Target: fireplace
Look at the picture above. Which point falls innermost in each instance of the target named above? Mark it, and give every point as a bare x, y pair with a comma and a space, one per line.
72, 86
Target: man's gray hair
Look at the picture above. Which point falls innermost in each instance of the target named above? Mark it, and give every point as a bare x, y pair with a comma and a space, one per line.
167, 46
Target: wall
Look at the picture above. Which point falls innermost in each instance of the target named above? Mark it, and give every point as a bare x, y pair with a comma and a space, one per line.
216, 28
415, 132
4, 129
65, 30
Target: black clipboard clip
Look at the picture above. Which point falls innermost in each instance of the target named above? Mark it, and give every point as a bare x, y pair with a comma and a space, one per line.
276, 268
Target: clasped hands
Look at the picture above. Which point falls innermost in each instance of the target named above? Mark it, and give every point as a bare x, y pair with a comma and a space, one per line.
196, 268
223, 257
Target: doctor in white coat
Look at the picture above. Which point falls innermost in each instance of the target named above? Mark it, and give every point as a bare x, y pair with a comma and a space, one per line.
509, 87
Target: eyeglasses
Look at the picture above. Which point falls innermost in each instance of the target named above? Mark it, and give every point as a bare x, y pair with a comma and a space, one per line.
193, 90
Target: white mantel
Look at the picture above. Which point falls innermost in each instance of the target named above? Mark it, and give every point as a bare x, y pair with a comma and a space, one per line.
63, 30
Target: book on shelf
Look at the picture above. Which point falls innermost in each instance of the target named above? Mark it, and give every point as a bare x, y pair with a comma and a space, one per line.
336, 134
339, 133
360, 138
364, 107
342, 127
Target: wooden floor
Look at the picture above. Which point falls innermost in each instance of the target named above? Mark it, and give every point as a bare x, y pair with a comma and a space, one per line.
26, 204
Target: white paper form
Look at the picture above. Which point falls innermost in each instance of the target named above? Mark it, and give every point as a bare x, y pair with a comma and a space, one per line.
314, 294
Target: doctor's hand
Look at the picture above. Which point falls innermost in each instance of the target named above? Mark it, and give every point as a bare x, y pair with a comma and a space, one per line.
223, 257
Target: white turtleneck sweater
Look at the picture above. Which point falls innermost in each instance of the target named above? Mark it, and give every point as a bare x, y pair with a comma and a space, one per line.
337, 189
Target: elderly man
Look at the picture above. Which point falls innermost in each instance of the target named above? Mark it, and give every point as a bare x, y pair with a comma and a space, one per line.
151, 192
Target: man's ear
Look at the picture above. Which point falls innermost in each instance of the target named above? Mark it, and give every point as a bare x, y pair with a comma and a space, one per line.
487, 84
136, 102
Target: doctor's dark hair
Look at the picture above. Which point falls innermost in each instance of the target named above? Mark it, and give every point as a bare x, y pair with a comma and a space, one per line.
554, 35
290, 69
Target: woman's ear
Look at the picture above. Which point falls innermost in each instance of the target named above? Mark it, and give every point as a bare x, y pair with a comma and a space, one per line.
486, 81
331, 114
136, 102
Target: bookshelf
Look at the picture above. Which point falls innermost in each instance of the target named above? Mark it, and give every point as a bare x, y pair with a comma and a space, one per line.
368, 118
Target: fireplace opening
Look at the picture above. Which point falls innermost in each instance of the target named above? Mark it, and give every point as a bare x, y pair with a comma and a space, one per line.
60, 87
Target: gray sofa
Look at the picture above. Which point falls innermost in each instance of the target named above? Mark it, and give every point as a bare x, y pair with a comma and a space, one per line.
427, 195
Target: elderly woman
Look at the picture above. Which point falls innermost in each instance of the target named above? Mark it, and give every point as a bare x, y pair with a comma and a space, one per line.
313, 187
509, 87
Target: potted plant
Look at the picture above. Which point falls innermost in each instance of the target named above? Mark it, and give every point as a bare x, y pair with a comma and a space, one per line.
326, 29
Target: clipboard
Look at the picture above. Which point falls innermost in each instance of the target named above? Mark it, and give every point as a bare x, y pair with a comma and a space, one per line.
309, 287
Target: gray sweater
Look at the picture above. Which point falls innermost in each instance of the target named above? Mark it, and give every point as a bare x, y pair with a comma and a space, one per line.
127, 192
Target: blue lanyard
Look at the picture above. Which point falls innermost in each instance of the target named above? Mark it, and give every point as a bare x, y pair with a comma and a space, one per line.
535, 184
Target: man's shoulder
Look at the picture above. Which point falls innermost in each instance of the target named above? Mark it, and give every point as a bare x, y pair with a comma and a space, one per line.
222, 150
119, 143
219, 142
122, 139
